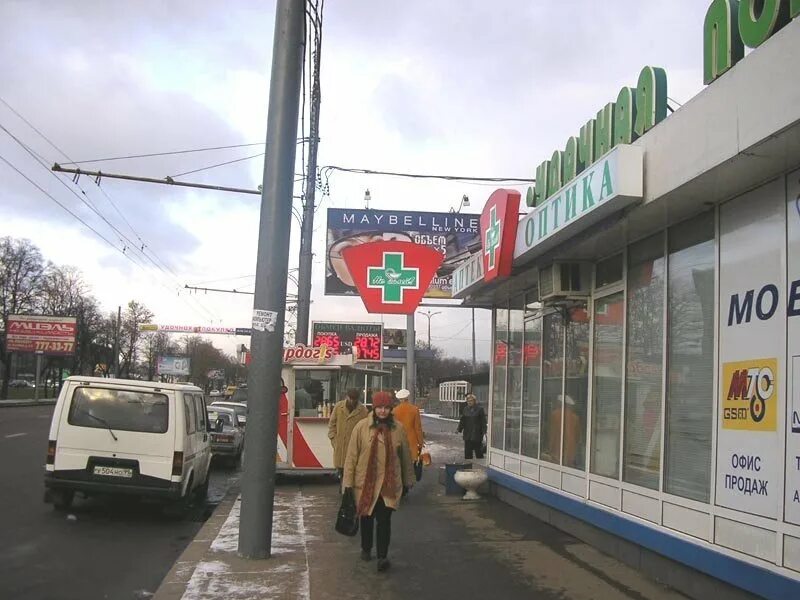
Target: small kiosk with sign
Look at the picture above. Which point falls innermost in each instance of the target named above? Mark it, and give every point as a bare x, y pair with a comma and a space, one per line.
314, 379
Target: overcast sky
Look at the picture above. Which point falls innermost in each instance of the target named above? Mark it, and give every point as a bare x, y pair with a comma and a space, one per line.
449, 87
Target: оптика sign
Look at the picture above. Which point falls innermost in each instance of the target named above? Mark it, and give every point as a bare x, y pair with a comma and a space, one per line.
612, 183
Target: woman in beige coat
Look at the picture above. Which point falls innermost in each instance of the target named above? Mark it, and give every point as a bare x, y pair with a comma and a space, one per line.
346, 413
379, 470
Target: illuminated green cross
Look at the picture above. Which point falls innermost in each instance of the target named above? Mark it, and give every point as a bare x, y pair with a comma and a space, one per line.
393, 278
492, 241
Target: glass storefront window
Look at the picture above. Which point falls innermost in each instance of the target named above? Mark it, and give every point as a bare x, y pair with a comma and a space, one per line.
690, 347
608, 271
609, 317
576, 388
531, 386
643, 369
552, 386
514, 387
500, 362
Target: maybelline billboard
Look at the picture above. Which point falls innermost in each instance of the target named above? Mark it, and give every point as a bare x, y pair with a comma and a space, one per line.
454, 235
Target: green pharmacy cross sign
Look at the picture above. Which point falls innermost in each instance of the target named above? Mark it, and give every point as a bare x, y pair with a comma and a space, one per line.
492, 241
393, 278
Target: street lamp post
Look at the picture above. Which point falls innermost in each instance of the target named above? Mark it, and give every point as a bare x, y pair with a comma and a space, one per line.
429, 315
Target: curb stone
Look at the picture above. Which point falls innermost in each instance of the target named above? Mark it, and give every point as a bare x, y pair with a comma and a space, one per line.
174, 583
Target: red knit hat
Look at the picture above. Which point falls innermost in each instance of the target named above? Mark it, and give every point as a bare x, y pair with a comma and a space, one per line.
382, 399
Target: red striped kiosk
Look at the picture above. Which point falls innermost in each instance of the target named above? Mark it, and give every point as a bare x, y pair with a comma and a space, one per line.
314, 379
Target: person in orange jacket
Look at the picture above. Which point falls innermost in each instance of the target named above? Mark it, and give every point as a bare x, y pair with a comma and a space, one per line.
408, 415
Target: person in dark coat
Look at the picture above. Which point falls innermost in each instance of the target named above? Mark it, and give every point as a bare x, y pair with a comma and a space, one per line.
473, 426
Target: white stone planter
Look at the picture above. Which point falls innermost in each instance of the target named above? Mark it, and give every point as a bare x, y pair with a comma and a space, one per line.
471, 480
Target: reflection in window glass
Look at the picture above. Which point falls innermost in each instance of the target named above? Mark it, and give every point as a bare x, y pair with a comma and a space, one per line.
690, 346
576, 389
608, 271
190, 414
514, 389
609, 316
122, 410
531, 392
500, 360
642, 456
552, 380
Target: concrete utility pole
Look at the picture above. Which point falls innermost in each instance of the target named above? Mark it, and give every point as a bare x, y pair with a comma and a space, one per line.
473, 341
269, 308
307, 227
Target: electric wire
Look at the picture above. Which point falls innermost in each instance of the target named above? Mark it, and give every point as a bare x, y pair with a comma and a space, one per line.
222, 164
126, 242
424, 175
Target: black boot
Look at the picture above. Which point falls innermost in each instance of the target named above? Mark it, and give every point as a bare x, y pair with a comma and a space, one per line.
366, 555
383, 564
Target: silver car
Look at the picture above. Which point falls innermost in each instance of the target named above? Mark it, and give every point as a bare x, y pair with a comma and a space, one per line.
227, 433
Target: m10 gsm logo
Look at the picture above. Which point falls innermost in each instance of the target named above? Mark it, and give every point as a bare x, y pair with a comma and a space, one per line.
749, 395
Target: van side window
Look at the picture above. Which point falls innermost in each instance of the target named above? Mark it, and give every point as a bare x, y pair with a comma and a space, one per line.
201, 412
188, 406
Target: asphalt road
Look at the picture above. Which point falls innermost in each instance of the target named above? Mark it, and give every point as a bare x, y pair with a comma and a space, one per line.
100, 548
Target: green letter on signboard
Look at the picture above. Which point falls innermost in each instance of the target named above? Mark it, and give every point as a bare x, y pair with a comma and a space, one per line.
570, 168
754, 29
604, 130
530, 197
554, 174
625, 116
586, 146
651, 99
540, 191
722, 43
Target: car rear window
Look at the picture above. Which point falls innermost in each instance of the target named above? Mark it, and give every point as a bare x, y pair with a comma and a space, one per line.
227, 418
240, 395
123, 410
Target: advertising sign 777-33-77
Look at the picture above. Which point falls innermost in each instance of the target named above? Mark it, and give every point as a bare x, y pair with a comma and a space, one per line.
41, 334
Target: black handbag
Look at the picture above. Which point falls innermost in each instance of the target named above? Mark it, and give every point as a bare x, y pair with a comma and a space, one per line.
418, 469
347, 519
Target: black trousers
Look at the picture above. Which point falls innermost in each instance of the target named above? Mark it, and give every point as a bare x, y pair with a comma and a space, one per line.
473, 446
382, 514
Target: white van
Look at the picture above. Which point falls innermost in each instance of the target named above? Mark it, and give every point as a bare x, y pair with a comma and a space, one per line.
120, 436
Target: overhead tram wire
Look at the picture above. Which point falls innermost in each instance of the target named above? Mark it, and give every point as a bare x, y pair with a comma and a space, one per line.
124, 240
122, 251
97, 182
78, 218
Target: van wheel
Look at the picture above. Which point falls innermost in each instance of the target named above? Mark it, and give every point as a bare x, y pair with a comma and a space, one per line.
62, 499
179, 508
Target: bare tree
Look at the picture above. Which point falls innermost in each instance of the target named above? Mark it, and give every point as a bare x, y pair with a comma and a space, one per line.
21, 268
134, 315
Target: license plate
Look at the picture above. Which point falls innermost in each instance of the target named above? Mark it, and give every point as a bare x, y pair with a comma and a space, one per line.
113, 471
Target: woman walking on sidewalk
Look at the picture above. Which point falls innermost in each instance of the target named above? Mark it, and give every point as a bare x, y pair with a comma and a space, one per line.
379, 470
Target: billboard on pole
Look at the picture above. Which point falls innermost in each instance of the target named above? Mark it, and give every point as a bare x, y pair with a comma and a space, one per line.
173, 365
454, 235
41, 334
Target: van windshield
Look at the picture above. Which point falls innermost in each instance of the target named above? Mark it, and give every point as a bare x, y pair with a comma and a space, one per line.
121, 410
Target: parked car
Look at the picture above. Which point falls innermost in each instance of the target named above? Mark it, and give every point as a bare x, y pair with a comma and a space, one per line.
215, 393
239, 408
21, 383
127, 437
227, 438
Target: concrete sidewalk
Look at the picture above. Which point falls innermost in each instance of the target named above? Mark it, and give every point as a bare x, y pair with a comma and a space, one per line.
442, 547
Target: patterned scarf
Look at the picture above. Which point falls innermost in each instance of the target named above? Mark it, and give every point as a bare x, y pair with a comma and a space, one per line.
389, 487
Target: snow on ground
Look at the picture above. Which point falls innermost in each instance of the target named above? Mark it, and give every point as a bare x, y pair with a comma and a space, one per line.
214, 579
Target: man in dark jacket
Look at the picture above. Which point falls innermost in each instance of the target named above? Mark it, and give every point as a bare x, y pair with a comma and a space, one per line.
473, 426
